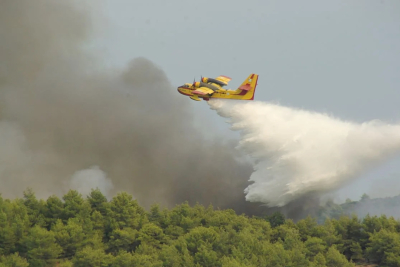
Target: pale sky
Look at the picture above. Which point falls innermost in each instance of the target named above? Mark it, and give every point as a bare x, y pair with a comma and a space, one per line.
340, 57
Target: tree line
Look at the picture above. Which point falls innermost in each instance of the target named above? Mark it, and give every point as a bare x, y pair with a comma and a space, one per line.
93, 231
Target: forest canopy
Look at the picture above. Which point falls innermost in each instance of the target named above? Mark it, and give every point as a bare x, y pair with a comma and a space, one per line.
93, 231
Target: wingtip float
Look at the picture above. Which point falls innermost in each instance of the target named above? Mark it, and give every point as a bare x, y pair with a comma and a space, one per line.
213, 88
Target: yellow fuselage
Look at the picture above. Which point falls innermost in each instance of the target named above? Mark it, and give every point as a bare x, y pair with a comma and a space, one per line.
221, 93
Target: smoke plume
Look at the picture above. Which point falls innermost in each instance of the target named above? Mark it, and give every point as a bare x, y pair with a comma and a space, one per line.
298, 153
61, 113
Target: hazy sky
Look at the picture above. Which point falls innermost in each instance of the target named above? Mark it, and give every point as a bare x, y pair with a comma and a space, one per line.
341, 57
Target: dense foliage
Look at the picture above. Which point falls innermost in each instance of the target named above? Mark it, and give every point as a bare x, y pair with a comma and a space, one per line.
74, 231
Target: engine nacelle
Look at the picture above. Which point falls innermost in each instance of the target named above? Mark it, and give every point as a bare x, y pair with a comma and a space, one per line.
210, 86
197, 84
211, 80
203, 84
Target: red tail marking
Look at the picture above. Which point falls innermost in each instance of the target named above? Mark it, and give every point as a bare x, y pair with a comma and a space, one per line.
254, 92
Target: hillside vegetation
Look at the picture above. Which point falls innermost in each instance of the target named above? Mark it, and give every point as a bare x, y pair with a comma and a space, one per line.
78, 231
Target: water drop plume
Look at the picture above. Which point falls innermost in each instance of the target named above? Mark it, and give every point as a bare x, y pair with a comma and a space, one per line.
298, 152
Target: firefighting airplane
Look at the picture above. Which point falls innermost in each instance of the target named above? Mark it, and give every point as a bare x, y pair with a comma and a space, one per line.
212, 88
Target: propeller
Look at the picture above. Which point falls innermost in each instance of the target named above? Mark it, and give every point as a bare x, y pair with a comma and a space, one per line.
194, 81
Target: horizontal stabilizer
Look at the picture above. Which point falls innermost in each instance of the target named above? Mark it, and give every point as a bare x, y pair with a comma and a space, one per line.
245, 87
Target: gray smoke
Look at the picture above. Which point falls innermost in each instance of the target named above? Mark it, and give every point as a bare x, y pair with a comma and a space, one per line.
59, 115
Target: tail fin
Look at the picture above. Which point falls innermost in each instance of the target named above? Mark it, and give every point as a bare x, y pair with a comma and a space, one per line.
248, 88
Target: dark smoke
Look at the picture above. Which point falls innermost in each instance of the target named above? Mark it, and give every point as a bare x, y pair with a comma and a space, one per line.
59, 115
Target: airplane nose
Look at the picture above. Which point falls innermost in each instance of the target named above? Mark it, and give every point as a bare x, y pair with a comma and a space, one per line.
182, 91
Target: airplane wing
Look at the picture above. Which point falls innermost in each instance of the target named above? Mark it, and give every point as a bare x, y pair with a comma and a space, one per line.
223, 78
203, 91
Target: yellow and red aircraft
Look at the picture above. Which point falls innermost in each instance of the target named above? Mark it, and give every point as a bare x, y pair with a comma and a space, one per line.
212, 88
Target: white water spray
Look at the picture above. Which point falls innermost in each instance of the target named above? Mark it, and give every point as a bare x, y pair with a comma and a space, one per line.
298, 152
86, 180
